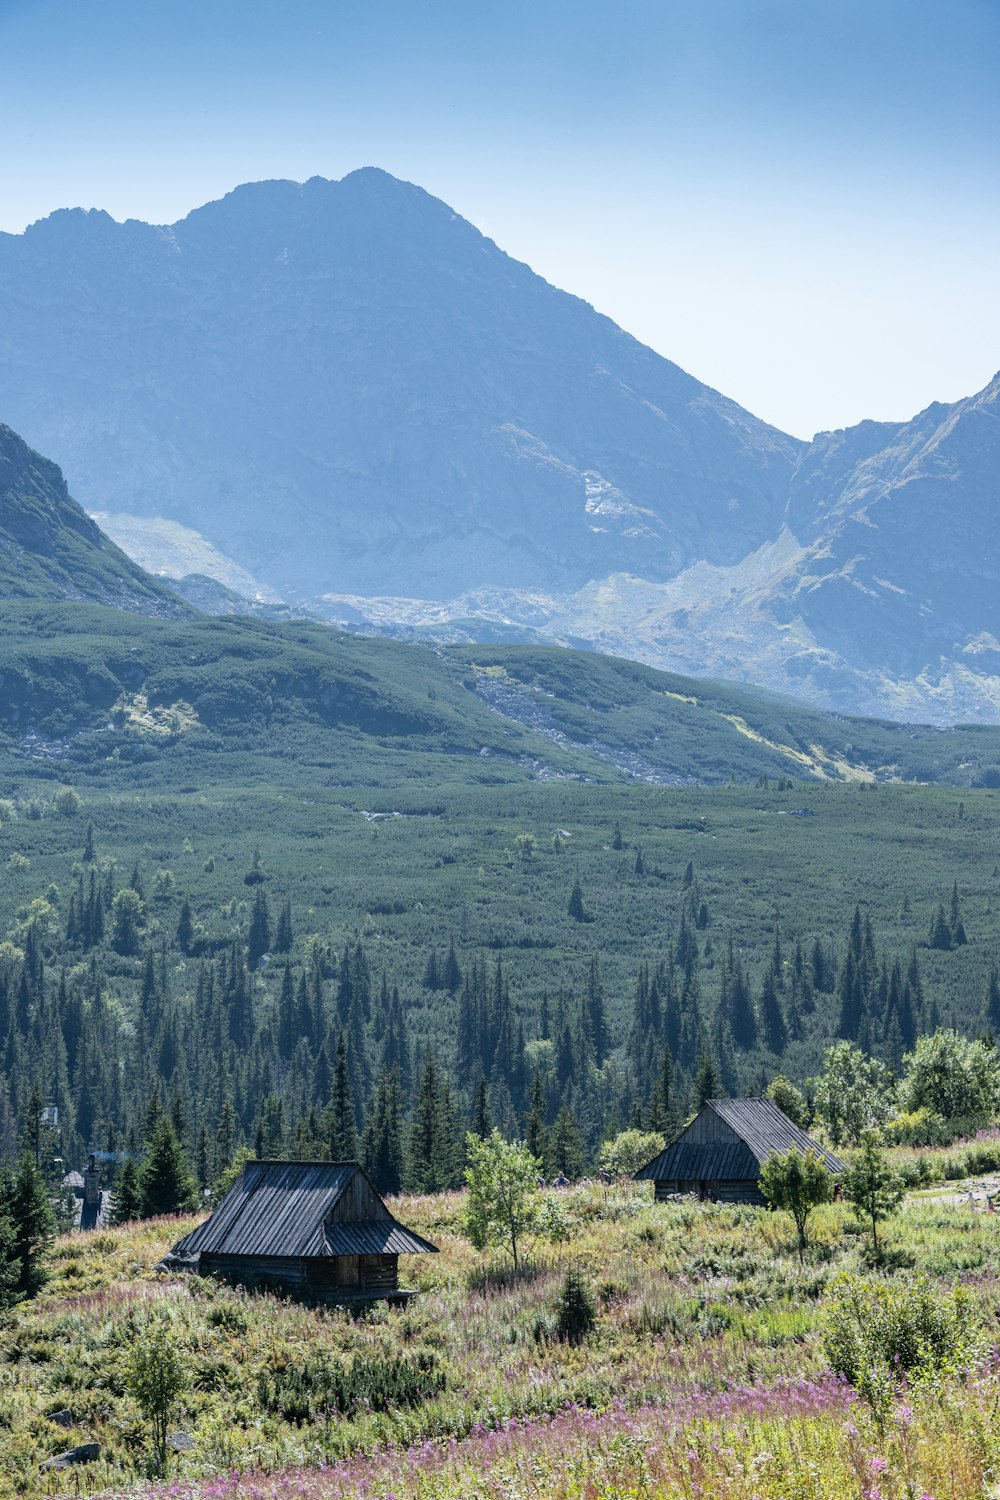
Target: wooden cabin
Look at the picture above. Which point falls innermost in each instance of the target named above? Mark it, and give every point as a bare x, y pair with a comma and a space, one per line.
720, 1154
320, 1226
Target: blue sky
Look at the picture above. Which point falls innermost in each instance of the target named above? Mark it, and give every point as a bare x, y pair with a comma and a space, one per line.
797, 200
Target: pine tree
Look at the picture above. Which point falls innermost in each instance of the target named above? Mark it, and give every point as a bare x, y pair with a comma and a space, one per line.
259, 934
284, 936
88, 847
382, 1147
481, 1124
185, 927
774, 1032
166, 1185
576, 908
707, 1083
126, 1200
25, 1203
343, 1136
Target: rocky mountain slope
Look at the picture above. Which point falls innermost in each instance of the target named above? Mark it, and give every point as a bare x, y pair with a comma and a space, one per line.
345, 387
358, 402
50, 549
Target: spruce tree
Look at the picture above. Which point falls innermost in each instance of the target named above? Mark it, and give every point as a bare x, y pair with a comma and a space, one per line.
10, 1266
576, 908
481, 1125
166, 1185
774, 1033
185, 927
566, 1149
126, 1199
259, 934
25, 1203
284, 936
707, 1083
343, 1136
382, 1146
940, 933
535, 1132
993, 999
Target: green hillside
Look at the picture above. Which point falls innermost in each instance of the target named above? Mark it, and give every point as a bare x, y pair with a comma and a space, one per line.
50, 549
692, 729
322, 837
92, 681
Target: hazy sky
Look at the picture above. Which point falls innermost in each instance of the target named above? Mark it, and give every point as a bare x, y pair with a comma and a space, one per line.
796, 200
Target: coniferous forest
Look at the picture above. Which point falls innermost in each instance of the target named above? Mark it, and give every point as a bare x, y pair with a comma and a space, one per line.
375, 983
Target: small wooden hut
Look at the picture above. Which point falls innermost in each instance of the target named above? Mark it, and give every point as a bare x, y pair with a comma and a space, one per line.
318, 1225
720, 1154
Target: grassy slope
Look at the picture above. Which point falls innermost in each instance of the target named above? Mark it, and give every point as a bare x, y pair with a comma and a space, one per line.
50, 549
693, 1302
689, 727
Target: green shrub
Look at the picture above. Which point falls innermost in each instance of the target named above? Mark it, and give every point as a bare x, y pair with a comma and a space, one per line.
877, 1331
302, 1392
576, 1313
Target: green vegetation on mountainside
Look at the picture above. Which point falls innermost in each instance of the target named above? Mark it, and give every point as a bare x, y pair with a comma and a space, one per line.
550, 712
690, 729
50, 548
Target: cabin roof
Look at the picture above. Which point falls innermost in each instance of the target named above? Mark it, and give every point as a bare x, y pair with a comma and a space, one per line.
762, 1129
280, 1209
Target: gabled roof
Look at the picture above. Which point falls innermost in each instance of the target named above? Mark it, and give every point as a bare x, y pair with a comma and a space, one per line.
280, 1209
762, 1128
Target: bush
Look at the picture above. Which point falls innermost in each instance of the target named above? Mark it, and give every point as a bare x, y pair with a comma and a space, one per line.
66, 802
302, 1392
876, 1331
628, 1151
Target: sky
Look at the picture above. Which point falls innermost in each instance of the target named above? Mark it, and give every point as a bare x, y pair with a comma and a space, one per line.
795, 200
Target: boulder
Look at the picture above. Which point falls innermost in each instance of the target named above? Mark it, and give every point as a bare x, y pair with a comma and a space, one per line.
83, 1453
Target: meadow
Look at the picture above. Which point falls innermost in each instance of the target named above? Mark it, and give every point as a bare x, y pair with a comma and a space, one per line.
705, 1373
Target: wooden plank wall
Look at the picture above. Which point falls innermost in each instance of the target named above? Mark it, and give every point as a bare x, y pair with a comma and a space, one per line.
725, 1192
358, 1202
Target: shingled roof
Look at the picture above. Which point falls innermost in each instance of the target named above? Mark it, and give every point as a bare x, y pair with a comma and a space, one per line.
281, 1208
762, 1128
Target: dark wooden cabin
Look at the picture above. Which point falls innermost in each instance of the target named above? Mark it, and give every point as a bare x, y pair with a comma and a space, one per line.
317, 1225
720, 1154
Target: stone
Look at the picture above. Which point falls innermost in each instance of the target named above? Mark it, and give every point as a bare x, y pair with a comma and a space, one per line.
83, 1453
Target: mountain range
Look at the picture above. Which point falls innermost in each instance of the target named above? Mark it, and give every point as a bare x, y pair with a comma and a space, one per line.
342, 395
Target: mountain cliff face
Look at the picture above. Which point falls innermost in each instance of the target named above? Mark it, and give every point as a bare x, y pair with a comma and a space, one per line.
900, 529
350, 389
364, 404
50, 549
